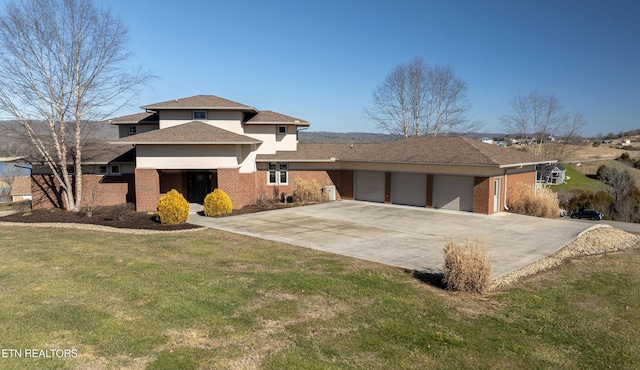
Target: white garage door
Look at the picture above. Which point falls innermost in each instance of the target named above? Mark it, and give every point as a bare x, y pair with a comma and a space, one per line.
369, 185
453, 192
409, 189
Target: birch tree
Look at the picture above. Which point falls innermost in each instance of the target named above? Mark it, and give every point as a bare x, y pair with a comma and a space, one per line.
63, 64
536, 117
416, 99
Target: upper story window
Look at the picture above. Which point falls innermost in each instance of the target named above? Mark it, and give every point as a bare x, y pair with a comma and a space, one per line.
102, 170
115, 169
199, 114
132, 130
282, 130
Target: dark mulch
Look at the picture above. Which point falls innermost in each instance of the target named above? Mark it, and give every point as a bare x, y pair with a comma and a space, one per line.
119, 216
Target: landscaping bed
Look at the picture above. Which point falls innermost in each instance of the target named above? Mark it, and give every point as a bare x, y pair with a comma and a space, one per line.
119, 216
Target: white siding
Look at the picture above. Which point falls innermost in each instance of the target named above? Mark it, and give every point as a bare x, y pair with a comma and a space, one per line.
187, 156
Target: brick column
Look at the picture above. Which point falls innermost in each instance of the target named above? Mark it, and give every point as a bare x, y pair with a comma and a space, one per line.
147, 189
482, 196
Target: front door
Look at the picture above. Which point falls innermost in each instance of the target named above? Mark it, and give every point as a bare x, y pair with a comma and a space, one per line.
198, 185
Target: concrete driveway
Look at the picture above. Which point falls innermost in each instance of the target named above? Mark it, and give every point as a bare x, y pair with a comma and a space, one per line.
402, 236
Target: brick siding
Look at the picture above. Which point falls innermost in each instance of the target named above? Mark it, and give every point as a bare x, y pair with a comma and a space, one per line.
482, 195
97, 191
147, 189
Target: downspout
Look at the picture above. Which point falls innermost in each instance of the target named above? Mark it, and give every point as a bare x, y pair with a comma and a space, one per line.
505, 190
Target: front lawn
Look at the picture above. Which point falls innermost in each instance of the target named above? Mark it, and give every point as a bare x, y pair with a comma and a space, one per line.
210, 299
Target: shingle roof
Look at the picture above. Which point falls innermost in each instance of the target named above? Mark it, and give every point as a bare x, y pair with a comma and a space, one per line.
200, 102
194, 132
270, 117
103, 153
427, 150
21, 185
144, 117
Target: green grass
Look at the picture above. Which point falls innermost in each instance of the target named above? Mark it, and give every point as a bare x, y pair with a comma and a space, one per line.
578, 182
209, 299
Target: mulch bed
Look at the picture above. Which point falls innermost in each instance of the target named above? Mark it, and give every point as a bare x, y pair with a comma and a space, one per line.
105, 216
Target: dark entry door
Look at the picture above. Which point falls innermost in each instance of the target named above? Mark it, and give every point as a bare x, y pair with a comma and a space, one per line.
198, 185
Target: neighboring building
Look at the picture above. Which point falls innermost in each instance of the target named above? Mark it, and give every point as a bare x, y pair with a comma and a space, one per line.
200, 143
487, 140
21, 189
551, 174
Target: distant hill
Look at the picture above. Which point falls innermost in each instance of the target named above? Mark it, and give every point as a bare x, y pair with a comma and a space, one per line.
342, 137
355, 137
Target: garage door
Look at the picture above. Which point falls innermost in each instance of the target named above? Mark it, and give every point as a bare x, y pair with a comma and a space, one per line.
369, 186
453, 192
409, 189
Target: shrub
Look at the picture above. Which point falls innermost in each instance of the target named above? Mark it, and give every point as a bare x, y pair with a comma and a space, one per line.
172, 208
119, 212
217, 203
527, 200
305, 191
467, 267
264, 200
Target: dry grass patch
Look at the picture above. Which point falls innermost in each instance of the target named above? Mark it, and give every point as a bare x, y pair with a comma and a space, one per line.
467, 267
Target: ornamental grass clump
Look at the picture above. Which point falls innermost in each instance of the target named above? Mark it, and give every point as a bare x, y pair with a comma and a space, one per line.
305, 191
217, 203
172, 208
467, 267
527, 200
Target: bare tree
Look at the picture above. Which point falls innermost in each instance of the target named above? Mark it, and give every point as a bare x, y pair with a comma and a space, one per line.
537, 117
63, 64
418, 100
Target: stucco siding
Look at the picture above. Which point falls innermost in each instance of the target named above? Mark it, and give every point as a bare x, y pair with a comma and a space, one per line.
228, 120
176, 157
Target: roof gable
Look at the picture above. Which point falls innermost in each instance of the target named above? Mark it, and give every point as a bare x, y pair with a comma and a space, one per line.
144, 117
21, 185
194, 132
200, 102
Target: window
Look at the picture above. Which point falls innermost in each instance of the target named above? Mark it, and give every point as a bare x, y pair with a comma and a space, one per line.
133, 130
278, 174
199, 114
71, 169
115, 170
102, 170
282, 130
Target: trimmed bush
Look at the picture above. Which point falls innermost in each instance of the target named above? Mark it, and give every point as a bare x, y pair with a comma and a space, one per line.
172, 208
527, 200
217, 203
467, 267
305, 191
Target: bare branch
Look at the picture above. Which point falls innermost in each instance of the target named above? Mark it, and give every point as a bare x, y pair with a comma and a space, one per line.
418, 100
64, 62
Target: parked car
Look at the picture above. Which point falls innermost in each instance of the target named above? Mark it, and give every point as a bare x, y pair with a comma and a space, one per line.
563, 212
588, 214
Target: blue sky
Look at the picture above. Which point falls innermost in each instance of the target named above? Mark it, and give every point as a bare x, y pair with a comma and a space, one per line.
320, 61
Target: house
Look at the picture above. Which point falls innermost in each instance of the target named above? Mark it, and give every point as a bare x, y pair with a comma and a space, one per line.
21, 189
551, 174
487, 140
203, 142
